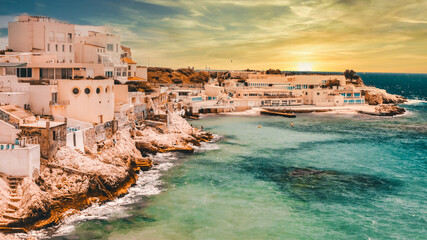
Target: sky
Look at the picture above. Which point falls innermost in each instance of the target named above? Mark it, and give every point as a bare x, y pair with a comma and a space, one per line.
317, 35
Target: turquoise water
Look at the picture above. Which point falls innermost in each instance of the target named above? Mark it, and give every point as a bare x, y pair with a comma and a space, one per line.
327, 177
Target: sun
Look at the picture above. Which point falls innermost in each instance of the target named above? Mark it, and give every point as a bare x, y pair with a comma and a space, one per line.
305, 67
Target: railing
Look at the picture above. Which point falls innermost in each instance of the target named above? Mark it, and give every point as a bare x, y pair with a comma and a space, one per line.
25, 141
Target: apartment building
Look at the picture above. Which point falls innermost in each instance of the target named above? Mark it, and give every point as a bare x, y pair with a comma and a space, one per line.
43, 35
292, 82
98, 44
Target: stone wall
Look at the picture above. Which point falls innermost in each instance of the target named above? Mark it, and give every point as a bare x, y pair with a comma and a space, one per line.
50, 138
5, 116
89, 138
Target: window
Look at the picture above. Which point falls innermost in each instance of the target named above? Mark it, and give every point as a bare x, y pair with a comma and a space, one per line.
56, 47
318, 93
11, 71
47, 73
63, 73
54, 135
54, 98
129, 74
48, 47
51, 37
356, 95
98, 90
71, 48
348, 94
110, 47
76, 91
109, 74
129, 68
70, 37
60, 37
87, 90
24, 72
63, 48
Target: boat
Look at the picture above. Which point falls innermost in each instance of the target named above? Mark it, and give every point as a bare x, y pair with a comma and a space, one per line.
277, 113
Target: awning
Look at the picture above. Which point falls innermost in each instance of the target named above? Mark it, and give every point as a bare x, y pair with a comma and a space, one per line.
5, 64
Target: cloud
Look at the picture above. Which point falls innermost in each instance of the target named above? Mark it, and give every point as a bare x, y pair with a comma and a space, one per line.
331, 34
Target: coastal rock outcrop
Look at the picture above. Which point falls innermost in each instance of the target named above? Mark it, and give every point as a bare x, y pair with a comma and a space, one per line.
74, 180
376, 98
179, 136
389, 110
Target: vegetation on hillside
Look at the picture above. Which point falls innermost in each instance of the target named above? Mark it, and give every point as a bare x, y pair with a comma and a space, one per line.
273, 71
138, 86
181, 75
352, 77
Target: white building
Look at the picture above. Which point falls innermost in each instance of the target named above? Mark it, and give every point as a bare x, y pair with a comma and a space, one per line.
42, 34
17, 159
98, 44
89, 101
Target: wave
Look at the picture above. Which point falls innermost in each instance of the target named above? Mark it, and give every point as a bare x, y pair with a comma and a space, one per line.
415, 102
148, 184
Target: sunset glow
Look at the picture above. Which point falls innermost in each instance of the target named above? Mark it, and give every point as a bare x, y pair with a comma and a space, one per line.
380, 36
305, 67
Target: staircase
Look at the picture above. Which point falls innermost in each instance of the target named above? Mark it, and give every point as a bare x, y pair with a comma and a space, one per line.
14, 199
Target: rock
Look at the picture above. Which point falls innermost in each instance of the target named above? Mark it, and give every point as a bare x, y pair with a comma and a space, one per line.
376, 98
184, 149
389, 110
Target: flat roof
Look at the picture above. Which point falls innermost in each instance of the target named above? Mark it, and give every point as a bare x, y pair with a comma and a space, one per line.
16, 111
9, 64
42, 124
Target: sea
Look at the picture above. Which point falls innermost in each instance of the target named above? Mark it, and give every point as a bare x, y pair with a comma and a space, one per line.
326, 177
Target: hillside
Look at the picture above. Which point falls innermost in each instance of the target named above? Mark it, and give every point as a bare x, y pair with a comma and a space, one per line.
182, 75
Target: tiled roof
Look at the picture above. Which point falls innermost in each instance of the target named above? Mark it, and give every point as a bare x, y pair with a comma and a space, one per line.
128, 60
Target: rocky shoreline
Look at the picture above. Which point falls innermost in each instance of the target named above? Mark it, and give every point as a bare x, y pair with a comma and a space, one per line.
73, 180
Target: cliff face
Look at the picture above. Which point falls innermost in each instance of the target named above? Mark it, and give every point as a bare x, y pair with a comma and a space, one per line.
73, 180
180, 137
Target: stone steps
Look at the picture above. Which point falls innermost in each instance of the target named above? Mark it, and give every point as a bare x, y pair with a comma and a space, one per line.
15, 196
10, 217
12, 206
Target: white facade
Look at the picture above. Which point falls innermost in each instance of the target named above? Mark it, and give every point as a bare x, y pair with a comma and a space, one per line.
42, 34
8, 133
12, 92
90, 101
141, 72
20, 161
291, 82
98, 44
42, 97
